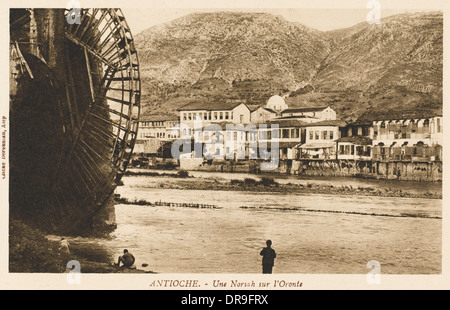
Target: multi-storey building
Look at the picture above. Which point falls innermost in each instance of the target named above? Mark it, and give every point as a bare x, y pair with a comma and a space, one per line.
406, 135
206, 113
154, 130
320, 139
288, 133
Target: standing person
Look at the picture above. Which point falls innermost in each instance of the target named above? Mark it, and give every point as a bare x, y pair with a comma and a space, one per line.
127, 259
268, 255
64, 245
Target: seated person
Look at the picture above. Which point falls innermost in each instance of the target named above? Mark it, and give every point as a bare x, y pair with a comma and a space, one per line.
127, 259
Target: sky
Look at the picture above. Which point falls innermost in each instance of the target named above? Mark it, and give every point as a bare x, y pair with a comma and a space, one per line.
324, 18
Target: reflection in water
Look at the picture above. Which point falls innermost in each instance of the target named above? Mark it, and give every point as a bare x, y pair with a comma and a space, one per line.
311, 233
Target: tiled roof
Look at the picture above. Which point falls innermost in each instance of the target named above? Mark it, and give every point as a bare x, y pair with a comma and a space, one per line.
295, 117
270, 110
287, 122
360, 140
304, 109
328, 123
370, 116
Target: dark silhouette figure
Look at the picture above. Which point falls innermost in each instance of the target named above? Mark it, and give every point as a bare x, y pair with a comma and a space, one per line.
127, 259
268, 256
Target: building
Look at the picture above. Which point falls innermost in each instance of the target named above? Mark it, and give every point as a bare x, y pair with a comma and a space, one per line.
154, 131
262, 114
354, 148
406, 135
320, 139
288, 134
276, 103
208, 113
229, 141
211, 128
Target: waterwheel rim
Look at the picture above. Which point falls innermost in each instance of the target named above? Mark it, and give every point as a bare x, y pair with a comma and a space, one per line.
114, 46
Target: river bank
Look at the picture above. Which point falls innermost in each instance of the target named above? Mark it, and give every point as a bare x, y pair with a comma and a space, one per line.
31, 251
252, 183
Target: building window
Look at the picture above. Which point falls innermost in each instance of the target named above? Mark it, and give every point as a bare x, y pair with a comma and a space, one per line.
221, 115
215, 115
324, 135
316, 134
285, 134
311, 135
241, 118
365, 131
426, 128
227, 115
331, 134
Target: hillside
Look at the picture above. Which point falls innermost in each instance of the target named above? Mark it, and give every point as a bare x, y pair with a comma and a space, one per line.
251, 56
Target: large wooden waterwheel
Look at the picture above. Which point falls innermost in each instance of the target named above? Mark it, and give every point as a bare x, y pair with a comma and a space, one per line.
105, 34
75, 100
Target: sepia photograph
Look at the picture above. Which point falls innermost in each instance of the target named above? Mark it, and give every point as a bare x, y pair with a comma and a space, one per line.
251, 147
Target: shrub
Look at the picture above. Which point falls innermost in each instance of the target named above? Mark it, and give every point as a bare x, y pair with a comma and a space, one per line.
183, 174
249, 181
266, 181
236, 182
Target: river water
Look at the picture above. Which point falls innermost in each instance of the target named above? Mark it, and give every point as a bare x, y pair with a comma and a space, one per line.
311, 233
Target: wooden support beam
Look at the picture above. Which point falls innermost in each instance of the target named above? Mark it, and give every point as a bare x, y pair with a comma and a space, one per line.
89, 73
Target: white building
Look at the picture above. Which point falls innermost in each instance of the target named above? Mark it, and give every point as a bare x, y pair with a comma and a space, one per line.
406, 135
153, 131
276, 103
262, 115
320, 139
208, 113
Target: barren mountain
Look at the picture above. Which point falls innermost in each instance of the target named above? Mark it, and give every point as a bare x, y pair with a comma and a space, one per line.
251, 56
